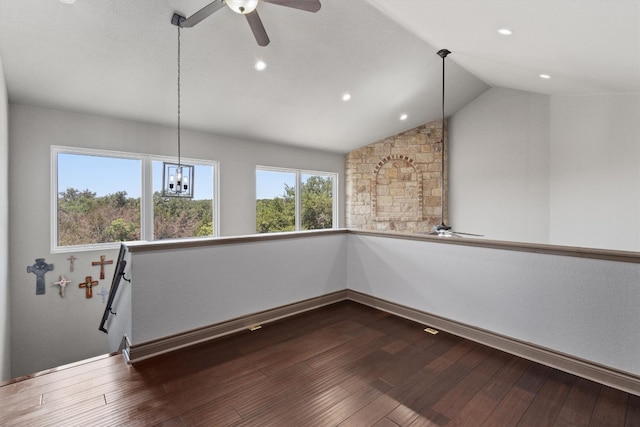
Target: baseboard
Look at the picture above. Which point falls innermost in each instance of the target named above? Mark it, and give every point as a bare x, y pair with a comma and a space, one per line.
138, 352
56, 369
125, 348
624, 381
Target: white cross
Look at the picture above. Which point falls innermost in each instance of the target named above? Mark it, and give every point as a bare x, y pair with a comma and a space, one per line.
63, 282
104, 292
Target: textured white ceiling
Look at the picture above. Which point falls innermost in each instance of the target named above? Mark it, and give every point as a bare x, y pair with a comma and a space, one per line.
587, 46
117, 58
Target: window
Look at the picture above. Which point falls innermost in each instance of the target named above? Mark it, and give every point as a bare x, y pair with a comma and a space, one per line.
101, 198
96, 204
294, 200
317, 202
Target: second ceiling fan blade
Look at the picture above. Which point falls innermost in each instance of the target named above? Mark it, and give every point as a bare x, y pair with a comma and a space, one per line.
203, 13
307, 5
257, 28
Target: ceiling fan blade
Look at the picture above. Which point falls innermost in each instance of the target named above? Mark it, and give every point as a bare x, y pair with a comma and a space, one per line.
306, 5
469, 234
203, 13
257, 28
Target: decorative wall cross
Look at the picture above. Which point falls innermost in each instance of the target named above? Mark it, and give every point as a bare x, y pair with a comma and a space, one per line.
71, 260
103, 293
39, 269
63, 282
88, 284
102, 263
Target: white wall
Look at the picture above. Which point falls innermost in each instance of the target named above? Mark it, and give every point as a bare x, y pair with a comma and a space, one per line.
584, 307
222, 282
595, 171
555, 169
5, 336
499, 166
47, 330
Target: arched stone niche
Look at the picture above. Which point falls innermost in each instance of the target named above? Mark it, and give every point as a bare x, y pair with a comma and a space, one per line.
397, 190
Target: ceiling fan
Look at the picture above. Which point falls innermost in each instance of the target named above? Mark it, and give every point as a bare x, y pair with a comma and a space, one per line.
442, 229
246, 8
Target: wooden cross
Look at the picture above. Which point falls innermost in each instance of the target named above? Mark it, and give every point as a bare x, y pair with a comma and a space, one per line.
88, 284
102, 263
39, 269
71, 260
103, 293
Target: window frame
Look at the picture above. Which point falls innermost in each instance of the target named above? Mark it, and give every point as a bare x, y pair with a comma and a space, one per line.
298, 196
146, 193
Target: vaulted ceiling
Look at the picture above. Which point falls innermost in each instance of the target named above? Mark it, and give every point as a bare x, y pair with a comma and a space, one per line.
117, 58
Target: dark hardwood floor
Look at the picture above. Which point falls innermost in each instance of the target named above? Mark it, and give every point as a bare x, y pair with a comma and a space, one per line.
345, 364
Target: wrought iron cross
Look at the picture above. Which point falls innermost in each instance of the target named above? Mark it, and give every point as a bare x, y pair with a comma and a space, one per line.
88, 284
39, 269
102, 263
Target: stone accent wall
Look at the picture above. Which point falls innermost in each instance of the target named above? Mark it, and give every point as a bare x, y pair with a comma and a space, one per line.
394, 184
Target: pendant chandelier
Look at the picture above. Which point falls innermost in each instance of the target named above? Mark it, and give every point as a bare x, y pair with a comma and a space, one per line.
177, 179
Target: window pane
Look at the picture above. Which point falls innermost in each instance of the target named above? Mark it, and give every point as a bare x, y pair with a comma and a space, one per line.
174, 217
317, 202
275, 201
98, 199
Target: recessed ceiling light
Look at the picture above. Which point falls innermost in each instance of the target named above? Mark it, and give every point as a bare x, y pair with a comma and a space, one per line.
403, 117
505, 32
545, 76
346, 96
260, 65
67, 1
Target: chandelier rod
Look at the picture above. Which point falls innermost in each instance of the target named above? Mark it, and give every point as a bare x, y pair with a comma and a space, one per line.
179, 163
443, 54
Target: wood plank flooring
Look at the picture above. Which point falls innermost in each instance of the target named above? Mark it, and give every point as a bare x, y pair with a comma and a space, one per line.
342, 365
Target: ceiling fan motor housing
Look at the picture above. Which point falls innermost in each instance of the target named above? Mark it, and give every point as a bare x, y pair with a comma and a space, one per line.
242, 7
